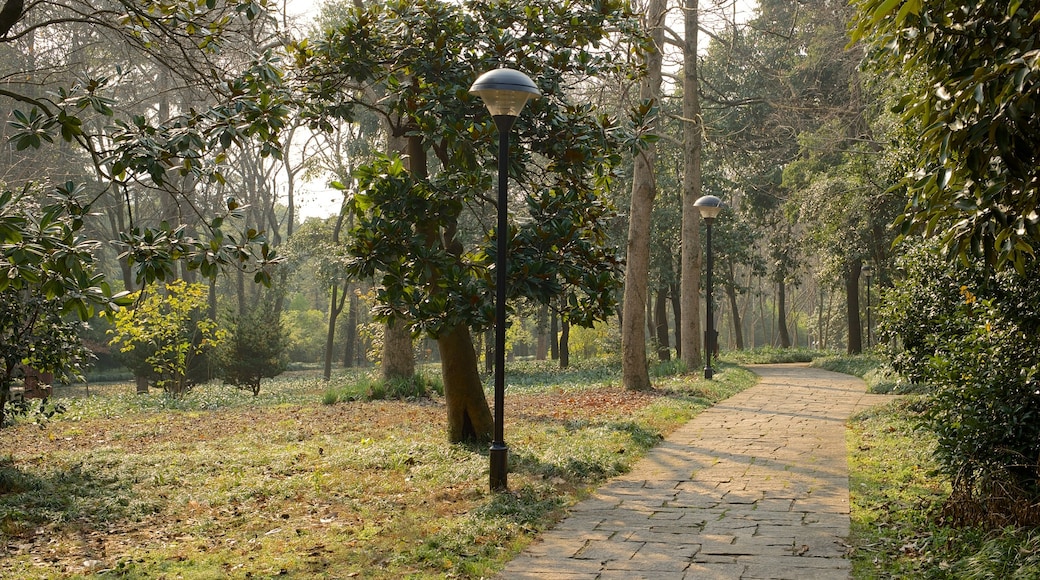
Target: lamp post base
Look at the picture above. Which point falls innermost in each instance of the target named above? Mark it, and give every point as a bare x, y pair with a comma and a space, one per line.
709, 372
499, 457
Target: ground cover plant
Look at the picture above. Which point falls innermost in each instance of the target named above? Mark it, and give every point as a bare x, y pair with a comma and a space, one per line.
898, 497
772, 355
219, 483
897, 500
874, 369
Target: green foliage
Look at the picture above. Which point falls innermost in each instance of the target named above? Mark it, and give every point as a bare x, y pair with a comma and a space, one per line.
126, 150
49, 283
168, 331
369, 388
975, 107
976, 340
422, 231
254, 349
874, 369
371, 483
896, 493
306, 334
770, 355
594, 342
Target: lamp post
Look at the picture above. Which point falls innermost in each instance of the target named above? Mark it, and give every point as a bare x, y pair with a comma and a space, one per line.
868, 272
709, 206
505, 92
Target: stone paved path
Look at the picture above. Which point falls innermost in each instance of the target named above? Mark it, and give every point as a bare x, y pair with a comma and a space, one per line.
753, 488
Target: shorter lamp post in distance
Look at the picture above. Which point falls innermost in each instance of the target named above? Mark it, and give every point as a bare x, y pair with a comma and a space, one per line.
505, 92
709, 206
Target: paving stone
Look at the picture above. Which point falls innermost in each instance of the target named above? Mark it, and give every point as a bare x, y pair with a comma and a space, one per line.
607, 550
709, 571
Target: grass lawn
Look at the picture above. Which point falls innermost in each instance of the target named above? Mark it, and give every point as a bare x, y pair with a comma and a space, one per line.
221, 484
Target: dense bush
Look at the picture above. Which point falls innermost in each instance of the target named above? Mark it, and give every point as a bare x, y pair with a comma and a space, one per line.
167, 335
255, 349
975, 337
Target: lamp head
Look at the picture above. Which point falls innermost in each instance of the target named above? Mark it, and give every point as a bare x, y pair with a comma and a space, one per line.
505, 91
709, 206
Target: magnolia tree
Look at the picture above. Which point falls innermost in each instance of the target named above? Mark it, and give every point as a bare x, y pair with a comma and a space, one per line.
423, 213
49, 284
971, 330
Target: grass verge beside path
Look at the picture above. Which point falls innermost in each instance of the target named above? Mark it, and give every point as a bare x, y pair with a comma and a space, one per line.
896, 497
220, 485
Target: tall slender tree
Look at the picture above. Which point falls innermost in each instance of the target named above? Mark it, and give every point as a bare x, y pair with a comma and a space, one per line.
635, 373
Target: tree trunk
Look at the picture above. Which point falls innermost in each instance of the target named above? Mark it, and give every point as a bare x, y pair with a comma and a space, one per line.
335, 307
398, 360
661, 323
634, 373
676, 294
821, 342
469, 416
5, 390
240, 291
690, 260
489, 351
542, 350
731, 293
350, 349
554, 336
852, 307
565, 344
781, 314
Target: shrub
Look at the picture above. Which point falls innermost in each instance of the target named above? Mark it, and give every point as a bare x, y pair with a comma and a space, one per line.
306, 331
976, 340
168, 335
255, 349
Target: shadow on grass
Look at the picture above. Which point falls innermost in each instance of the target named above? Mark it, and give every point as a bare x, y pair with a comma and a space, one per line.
79, 499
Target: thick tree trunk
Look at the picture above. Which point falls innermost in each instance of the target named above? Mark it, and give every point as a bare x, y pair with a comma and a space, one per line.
634, 373
690, 270
852, 307
398, 360
469, 416
781, 314
661, 323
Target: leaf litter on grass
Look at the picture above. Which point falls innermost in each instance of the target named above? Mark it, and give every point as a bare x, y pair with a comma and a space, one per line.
299, 490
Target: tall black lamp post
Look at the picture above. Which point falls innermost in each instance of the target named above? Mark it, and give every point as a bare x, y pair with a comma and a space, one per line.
709, 206
505, 92
868, 272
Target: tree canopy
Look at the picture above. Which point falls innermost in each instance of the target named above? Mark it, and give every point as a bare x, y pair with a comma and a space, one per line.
975, 102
